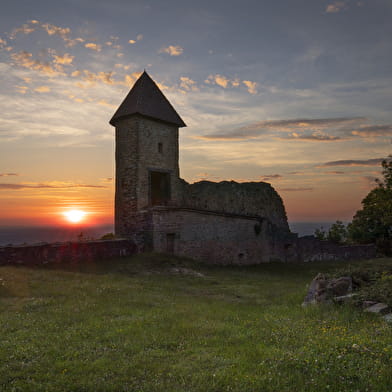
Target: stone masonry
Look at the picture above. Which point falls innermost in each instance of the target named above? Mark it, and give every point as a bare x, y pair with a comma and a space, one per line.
225, 223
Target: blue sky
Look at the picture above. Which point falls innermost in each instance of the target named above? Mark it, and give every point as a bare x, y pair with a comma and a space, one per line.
296, 93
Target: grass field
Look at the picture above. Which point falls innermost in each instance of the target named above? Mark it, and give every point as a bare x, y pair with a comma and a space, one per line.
138, 325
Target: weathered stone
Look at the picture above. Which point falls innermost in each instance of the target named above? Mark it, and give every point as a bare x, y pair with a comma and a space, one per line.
317, 292
340, 286
67, 252
378, 308
388, 318
367, 304
344, 298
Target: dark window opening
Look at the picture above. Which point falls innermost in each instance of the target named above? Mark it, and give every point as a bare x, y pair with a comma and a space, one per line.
170, 237
160, 148
159, 188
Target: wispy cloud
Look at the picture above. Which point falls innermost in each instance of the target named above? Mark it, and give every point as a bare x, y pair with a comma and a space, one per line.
93, 46
47, 186
335, 7
139, 37
25, 59
251, 86
269, 177
354, 162
297, 129
299, 189
374, 130
42, 89
8, 174
188, 84
317, 136
66, 59
172, 50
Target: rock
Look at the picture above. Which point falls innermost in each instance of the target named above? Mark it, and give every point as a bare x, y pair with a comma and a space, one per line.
366, 304
378, 308
388, 317
317, 292
340, 286
186, 271
344, 298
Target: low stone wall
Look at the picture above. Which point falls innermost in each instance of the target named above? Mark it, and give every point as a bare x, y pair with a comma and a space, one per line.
68, 252
217, 238
309, 248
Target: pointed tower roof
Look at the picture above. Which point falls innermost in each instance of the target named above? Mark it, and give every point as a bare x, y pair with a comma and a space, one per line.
147, 99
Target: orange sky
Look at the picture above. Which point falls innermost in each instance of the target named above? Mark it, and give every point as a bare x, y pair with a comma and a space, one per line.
304, 105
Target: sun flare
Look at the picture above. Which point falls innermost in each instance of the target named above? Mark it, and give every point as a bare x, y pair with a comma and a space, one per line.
74, 216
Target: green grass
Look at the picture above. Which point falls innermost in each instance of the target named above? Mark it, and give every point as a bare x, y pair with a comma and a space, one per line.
134, 325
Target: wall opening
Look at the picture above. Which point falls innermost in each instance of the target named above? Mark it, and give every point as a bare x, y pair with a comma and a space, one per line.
159, 188
170, 239
160, 148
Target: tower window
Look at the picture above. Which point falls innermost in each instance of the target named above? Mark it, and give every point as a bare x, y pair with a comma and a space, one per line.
159, 188
160, 148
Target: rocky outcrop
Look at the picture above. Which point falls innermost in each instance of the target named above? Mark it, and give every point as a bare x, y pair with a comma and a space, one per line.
323, 290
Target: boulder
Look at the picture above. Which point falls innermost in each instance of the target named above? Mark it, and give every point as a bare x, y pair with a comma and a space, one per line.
317, 292
340, 286
378, 308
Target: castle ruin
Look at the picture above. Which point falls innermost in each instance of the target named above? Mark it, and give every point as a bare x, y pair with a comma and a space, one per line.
225, 222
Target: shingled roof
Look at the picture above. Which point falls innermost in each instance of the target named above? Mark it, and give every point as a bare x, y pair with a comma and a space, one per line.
147, 99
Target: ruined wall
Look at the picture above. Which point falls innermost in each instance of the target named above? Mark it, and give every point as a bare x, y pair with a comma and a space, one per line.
249, 198
67, 252
216, 238
309, 248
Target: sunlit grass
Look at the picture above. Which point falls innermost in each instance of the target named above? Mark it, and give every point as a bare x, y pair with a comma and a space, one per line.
135, 325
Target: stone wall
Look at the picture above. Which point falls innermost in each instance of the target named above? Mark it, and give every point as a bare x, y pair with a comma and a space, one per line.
248, 198
137, 154
217, 238
309, 248
69, 252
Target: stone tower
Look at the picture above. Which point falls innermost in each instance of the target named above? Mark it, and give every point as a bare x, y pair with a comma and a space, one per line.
147, 172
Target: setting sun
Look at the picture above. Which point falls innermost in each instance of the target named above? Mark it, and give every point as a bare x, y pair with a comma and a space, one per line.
74, 216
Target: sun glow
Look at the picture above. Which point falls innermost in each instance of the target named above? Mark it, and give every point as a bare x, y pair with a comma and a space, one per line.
74, 216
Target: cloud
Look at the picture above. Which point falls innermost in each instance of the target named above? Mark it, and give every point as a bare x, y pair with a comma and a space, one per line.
25, 59
92, 78
66, 59
316, 136
354, 162
172, 50
295, 189
335, 7
47, 186
295, 128
218, 79
92, 46
8, 174
188, 84
269, 177
24, 29
251, 86
56, 30
373, 130
139, 37
42, 89
22, 89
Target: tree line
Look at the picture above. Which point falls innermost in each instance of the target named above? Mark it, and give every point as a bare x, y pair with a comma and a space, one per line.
373, 222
